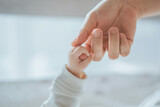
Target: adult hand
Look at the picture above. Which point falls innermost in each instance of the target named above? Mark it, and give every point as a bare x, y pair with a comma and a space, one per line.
94, 44
117, 20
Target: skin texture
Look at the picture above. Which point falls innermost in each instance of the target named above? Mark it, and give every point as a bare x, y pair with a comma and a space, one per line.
110, 26
148, 7
116, 21
78, 59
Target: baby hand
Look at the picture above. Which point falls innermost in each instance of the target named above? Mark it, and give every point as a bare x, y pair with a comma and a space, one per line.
79, 58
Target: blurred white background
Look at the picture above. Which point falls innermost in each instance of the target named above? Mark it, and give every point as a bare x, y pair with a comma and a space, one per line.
37, 46
35, 37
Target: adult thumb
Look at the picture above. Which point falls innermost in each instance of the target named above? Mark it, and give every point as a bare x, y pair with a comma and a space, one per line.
87, 27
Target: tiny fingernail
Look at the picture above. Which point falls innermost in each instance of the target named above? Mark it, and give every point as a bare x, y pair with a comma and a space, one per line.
96, 34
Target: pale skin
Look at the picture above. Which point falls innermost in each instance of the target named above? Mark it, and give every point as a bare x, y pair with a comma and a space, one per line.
78, 59
114, 21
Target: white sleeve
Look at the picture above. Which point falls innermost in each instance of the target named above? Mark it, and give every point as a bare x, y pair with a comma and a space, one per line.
65, 91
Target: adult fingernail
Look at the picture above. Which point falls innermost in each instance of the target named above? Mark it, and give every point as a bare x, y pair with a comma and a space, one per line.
113, 31
96, 34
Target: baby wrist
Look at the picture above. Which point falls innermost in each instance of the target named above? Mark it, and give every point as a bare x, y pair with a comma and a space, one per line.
80, 75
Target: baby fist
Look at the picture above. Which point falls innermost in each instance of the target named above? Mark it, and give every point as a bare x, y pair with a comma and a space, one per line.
79, 58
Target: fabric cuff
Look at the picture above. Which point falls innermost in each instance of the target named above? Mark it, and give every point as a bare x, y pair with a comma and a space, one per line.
68, 84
